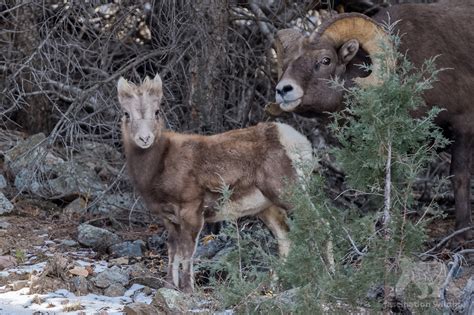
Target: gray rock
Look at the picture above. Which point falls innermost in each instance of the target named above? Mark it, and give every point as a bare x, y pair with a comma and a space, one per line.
111, 276
141, 275
172, 302
5, 204
140, 309
78, 205
115, 289
28, 153
3, 182
38, 171
72, 179
117, 203
131, 249
80, 285
156, 242
285, 302
25, 180
211, 248
95, 237
69, 243
4, 225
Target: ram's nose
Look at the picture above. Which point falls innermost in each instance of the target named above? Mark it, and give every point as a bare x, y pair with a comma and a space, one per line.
283, 90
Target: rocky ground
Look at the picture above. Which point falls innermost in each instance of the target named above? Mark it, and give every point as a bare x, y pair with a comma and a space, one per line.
75, 240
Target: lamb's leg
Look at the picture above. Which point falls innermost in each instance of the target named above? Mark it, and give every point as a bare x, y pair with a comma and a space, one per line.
460, 170
174, 259
275, 219
192, 221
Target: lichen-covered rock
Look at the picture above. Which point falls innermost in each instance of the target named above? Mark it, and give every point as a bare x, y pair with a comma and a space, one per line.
95, 237
39, 171
172, 302
27, 153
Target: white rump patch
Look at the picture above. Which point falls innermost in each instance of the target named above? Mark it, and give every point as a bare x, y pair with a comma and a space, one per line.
249, 204
298, 148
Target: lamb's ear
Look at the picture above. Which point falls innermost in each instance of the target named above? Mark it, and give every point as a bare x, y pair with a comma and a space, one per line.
157, 81
154, 86
124, 88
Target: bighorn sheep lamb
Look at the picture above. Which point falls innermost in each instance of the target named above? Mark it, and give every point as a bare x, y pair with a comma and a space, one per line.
179, 176
307, 62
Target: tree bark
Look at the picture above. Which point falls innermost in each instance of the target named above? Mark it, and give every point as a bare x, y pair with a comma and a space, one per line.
208, 65
34, 112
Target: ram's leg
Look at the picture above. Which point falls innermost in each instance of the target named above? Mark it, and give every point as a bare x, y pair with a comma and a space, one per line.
276, 220
461, 179
192, 221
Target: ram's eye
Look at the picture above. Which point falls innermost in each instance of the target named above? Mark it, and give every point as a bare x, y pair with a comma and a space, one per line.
126, 115
157, 114
326, 61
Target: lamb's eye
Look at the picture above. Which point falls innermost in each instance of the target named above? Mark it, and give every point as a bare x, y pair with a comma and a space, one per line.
157, 114
326, 61
126, 115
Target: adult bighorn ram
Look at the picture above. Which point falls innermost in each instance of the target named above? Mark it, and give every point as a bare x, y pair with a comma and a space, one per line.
180, 176
307, 62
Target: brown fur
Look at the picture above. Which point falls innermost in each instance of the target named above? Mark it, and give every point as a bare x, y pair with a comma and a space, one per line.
428, 30
179, 176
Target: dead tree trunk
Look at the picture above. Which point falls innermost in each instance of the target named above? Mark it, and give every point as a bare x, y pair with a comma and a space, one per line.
208, 64
34, 110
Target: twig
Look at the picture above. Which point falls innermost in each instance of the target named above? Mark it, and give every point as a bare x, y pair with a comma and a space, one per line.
264, 27
356, 249
386, 221
447, 238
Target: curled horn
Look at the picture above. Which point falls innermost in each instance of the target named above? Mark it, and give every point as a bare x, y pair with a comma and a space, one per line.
286, 40
370, 35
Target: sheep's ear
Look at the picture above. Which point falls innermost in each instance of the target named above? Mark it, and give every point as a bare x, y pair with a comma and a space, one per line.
124, 88
348, 50
154, 86
157, 80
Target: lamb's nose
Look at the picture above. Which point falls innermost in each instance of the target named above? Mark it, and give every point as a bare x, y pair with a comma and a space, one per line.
284, 90
144, 139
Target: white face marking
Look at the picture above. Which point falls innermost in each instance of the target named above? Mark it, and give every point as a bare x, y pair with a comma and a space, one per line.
288, 94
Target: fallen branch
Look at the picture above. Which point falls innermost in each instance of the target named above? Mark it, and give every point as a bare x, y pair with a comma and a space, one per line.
458, 257
442, 290
447, 238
